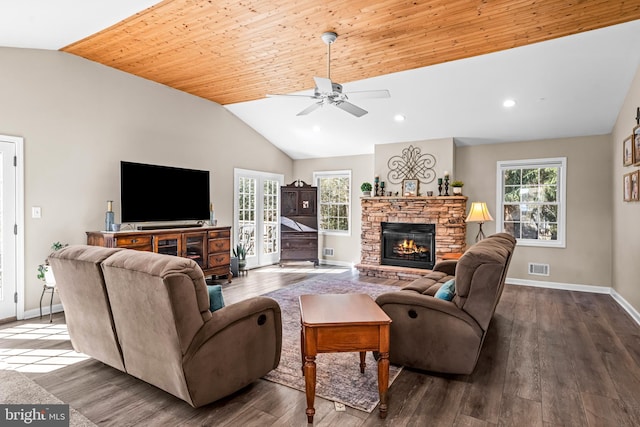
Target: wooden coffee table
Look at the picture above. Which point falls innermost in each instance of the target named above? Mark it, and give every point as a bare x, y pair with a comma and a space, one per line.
343, 323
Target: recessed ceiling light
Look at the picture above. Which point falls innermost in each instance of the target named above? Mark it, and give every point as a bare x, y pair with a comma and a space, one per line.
316, 128
508, 103
399, 118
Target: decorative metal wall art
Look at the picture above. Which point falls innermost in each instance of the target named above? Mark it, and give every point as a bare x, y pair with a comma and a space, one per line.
411, 164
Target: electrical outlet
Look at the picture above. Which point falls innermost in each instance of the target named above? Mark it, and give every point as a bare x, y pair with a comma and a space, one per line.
340, 406
36, 212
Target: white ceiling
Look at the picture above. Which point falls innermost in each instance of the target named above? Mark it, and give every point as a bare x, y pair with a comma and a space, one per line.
565, 87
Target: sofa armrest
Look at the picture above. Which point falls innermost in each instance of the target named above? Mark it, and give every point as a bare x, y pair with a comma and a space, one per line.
447, 266
239, 344
238, 312
431, 305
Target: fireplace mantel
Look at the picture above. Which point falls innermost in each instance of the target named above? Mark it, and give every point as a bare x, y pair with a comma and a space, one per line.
446, 212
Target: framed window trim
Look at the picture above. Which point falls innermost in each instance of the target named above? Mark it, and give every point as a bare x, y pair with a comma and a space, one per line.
559, 162
334, 174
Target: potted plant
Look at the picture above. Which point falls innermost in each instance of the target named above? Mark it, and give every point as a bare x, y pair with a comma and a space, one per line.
240, 252
457, 187
366, 188
44, 270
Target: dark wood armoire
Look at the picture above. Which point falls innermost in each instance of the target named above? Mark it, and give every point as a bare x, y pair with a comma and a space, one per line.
299, 223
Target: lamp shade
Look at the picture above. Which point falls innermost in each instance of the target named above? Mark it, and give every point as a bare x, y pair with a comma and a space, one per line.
479, 213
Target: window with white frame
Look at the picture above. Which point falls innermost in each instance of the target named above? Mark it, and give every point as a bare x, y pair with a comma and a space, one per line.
531, 203
334, 201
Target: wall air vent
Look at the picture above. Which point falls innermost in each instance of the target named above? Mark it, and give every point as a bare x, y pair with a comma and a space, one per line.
327, 251
538, 269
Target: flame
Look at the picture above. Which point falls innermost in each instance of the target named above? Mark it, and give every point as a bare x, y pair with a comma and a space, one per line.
408, 247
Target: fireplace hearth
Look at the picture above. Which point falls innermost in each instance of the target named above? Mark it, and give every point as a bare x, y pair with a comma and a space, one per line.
408, 245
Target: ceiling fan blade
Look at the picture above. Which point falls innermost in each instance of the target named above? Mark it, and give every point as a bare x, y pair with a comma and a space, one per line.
323, 85
277, 95
361, 94
309, 109
350, 108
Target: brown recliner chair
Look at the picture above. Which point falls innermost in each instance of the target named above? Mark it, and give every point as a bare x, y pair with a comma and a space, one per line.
436, 335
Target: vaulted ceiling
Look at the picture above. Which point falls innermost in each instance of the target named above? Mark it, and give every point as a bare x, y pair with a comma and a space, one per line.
231, 51
448, 64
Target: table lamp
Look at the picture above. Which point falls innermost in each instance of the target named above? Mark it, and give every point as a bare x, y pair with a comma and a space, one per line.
479, 213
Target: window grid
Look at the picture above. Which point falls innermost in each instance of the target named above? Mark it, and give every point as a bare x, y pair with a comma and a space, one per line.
270, 216
531, 201
334, 194
246, 213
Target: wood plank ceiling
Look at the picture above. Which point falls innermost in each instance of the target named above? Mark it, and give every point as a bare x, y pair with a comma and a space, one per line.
231, 51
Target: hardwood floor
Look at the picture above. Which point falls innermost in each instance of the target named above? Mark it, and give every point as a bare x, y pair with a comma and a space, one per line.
551, 358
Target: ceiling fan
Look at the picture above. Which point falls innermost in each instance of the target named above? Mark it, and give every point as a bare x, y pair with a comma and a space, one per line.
327, 92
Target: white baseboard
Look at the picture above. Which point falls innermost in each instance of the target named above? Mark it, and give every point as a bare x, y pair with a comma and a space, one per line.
557, 285
346, 264
635, 315
626, 306
30, 314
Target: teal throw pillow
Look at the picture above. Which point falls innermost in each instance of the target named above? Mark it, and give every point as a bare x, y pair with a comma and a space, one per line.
216, 301
447, 290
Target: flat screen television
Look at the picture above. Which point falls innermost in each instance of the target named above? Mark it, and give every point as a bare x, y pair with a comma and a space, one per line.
153, 193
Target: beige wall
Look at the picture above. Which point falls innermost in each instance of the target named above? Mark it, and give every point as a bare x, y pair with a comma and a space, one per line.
346, 248
79, 119
626, 215
586, 260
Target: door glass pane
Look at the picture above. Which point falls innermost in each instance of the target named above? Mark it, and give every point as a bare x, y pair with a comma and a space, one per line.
247, 214
270, 216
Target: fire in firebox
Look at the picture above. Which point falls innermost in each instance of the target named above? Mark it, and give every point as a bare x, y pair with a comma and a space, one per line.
410, 247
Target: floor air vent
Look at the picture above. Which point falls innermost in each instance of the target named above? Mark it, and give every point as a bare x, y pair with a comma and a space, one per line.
538, 269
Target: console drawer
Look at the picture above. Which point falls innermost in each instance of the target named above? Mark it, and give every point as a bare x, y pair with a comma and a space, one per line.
141, 243
219, 234
216, 260
219, 245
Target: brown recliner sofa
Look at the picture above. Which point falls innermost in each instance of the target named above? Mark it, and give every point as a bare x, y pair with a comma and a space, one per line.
433, 334
148, 315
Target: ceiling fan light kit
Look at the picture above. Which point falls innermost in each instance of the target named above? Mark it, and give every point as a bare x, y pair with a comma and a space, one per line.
326, 92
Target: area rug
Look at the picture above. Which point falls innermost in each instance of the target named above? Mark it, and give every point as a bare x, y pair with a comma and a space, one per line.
338, 376
16, 388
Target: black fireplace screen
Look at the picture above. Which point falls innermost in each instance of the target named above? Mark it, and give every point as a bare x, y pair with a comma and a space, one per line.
408, 245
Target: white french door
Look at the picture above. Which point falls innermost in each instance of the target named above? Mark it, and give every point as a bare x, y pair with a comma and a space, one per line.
257, 215
8, 227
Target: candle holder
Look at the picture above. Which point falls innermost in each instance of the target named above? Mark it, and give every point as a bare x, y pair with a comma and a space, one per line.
439, 189
376, 189
446, 185
382, 188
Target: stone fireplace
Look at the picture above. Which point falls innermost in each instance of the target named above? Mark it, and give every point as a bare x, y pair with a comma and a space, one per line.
445, 214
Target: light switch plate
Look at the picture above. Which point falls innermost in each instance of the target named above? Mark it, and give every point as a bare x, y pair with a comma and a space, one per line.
36, 212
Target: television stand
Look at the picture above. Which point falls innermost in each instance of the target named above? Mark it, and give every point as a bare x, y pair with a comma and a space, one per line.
166, 226
209, 246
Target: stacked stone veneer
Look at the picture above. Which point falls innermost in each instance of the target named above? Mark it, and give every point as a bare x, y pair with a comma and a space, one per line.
447, 213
